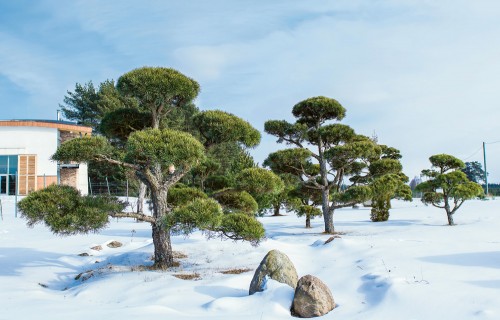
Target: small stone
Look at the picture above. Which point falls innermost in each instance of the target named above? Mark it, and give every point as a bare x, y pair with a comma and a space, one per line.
84, 254
114, 244
96, 248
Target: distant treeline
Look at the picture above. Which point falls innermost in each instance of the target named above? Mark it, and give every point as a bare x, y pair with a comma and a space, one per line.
493, 188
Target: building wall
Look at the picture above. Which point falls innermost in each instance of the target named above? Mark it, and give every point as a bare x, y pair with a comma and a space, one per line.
42, 142
83, 179
31, 140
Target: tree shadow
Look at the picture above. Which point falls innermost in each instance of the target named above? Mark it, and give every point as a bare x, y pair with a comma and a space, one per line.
472, 259
15, 262
12, 260
95, 270
490, 284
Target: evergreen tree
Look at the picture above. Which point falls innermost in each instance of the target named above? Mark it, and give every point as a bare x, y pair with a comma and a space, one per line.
338, 150
81, 105
386, 180
160, 158
474, 171
295, 168
448, 187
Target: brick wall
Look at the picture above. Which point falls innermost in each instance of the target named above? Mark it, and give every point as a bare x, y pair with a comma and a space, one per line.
69, 176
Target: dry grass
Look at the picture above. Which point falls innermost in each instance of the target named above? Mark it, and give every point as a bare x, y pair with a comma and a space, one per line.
188, 276
179, 255
236, 271
140, 268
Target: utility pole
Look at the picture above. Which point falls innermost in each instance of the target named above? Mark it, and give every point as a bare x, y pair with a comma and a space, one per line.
485, 170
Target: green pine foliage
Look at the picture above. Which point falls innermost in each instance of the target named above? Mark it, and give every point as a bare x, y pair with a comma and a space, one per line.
83, 149
217, 126
151, 133
294, 166
387, 182
203, 214
261, 184
234, 201
179, 196
447, 186
120, 123
81, 105
207, 215
164, 148
66, 212
474, 171
339, 152
214, 183
239, 226
158, 90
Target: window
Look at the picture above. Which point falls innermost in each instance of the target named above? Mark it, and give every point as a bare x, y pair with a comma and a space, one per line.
8, 171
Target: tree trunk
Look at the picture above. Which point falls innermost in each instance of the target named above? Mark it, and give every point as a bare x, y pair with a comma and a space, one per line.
329, 228
450, 219
449, 213
276, 209
308, 221
140, 197
163, 257
325, 192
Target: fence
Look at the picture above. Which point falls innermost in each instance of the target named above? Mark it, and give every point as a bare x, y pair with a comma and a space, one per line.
119, 189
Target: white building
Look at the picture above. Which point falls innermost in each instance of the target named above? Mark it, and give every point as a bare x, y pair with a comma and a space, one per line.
25, 150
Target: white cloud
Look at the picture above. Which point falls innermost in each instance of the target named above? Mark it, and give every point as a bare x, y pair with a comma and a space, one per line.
422, 74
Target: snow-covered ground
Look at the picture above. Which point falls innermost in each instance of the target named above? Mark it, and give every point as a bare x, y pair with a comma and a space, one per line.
412, 267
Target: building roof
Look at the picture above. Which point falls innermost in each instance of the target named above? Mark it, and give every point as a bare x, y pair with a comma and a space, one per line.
61, 125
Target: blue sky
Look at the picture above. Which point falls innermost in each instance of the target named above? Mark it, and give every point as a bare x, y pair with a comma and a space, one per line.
424, 76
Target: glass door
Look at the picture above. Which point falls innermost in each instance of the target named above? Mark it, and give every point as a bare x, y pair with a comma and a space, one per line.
3, 184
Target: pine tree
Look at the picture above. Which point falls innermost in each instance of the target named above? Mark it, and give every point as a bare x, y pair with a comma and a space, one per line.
448, 187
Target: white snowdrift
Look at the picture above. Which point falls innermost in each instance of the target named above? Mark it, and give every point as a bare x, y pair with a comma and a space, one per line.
412, 267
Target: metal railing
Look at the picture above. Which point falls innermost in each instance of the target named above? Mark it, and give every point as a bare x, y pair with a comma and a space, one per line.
112, 188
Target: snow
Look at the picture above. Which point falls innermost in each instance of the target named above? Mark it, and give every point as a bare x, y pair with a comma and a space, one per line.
411, 267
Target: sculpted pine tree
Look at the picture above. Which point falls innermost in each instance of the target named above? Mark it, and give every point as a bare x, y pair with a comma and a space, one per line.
448, 187
159, 158
158, 91
338, 150
386, 179
295, 167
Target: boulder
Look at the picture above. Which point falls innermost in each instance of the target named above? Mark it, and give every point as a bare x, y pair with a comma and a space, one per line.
312, 298
277, 266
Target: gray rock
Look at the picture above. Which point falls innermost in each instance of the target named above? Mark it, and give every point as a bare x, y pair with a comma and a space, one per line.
277, 266
312, 298
114, 244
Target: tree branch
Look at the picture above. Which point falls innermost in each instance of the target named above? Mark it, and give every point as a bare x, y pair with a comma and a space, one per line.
175, 177
101, 157
138, 216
